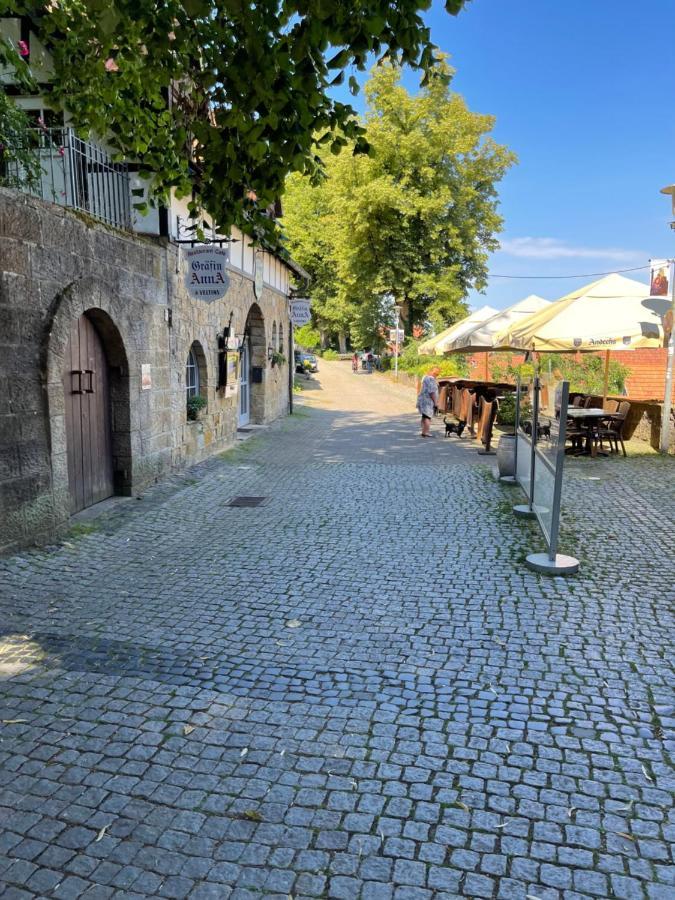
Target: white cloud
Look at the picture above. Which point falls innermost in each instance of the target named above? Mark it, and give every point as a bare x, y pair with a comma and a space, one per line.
552, 248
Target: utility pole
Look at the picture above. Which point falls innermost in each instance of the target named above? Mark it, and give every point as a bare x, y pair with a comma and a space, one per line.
668, 393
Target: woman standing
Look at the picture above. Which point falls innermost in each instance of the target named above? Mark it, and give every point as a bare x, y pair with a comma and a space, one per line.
428, 400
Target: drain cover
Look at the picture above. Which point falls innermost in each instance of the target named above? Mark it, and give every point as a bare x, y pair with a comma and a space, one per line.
247, 501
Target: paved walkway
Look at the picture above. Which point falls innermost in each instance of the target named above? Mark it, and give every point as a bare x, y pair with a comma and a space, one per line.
354, 690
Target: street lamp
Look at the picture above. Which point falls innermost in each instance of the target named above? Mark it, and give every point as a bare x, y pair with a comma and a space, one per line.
397, 311
668, 398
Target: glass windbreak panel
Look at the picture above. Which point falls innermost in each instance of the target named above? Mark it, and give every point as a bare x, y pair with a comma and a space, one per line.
543, 501
524, 462
551, 430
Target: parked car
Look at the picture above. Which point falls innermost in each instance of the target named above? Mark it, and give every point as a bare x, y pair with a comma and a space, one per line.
305, 362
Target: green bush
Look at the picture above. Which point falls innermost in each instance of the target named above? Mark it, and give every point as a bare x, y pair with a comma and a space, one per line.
506, 413
330, 354
410, 361
585, 376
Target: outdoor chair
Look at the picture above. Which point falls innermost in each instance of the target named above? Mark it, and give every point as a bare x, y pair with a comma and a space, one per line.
611, 429
588, 402
443, 399
611, 406
577, 400
575, 432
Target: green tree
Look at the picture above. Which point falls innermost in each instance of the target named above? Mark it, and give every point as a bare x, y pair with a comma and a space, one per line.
19, 164
221, 96
412, 222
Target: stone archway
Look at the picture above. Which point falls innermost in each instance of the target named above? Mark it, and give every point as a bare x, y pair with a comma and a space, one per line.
90, 302
257, 344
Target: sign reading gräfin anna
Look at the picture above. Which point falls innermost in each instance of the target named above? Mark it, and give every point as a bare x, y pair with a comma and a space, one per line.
300, 311
206, 276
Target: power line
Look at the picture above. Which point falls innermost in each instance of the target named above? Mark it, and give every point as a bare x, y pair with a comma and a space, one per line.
583, 275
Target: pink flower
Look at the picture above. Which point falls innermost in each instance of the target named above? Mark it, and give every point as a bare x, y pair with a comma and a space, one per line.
62, 152
111, 65
23, 48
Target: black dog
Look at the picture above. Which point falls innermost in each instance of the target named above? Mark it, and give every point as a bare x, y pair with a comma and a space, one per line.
454, 428
544, 431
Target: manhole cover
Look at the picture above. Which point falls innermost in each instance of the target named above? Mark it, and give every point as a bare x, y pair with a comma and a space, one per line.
247, 501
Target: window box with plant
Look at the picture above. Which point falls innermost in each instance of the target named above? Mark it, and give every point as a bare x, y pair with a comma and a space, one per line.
277, 358
195, 404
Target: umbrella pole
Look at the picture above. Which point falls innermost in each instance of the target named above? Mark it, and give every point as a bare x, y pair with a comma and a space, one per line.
486, 366
605, 383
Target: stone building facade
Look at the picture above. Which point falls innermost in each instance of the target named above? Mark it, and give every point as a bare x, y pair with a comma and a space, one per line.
68, 282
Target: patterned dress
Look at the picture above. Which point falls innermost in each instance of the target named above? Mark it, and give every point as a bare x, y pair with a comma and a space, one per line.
425, 402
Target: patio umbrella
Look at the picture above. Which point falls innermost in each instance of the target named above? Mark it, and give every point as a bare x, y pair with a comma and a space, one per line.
613, 313
481, 338
438, 344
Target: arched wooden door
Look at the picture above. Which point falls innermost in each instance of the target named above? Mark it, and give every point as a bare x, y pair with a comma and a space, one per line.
88, 430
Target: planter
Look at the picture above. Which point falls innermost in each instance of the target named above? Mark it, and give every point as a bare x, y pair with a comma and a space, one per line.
506, 455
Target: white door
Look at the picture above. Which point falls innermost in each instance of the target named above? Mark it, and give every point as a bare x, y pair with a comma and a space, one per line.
244, 387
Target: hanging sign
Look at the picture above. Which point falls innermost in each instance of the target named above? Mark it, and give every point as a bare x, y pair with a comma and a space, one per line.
206, 276
660, 274
258, 274
146, 377
396, 332
301, 313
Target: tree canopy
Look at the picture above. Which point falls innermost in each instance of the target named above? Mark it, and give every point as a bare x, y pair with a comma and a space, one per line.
412, 222
220, 96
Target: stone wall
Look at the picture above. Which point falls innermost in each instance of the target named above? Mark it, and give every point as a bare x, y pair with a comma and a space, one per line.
57, 265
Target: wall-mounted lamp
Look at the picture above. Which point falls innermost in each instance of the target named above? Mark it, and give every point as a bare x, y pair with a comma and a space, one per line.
270, 352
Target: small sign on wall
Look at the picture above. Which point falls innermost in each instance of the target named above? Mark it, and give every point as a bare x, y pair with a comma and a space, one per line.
206, 276
146, 377
232, 363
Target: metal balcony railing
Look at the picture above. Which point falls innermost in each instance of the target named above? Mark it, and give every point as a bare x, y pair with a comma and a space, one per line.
79, 174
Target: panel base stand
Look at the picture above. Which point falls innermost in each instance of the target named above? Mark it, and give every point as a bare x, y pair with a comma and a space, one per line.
508, 479
523, 511
561, 565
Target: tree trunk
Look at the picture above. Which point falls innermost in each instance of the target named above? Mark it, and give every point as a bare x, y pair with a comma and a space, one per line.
342, 341
323, 334
408, 302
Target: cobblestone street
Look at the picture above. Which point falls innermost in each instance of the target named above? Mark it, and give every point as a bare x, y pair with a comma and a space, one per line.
353, 690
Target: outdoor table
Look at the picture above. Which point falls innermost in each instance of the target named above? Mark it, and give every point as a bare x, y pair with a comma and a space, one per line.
588, 418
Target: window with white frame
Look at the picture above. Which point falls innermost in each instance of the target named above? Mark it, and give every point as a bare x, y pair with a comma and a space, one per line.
191, 375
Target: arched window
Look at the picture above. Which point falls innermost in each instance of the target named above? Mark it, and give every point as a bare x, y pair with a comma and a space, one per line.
196, 381
274, 335
281, 337
192, 374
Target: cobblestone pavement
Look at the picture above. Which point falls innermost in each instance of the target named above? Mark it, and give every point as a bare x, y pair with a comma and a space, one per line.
354, 690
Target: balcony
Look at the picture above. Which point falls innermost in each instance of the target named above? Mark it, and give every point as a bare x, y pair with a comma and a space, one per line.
79, 174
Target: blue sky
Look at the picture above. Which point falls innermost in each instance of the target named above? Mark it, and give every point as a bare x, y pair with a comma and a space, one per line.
582, 91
